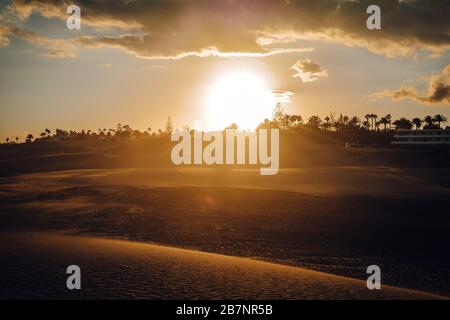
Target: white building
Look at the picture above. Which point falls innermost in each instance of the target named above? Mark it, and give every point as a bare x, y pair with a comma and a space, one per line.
422, 137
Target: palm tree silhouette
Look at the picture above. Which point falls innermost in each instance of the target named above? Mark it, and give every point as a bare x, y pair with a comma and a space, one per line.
368, 117
366, 124
373, 117
295, 120
327, 123
354, 121
417, 123
389, 117
439, 118
384, 121
377, 125
403, 124
314, 121
429, 122
345, 119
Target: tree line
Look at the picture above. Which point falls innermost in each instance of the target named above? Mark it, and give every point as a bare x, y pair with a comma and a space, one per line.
350, 128
371, 121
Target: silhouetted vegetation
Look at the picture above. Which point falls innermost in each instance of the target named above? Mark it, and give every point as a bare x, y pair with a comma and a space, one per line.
372, 131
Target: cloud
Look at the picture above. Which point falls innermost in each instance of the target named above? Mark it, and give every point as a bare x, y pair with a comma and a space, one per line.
438, 90
5, 32
54, 48
282, 96
308, 71
147, 47
179, 28
104, 65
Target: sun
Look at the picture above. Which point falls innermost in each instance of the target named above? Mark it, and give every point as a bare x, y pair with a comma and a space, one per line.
240, 98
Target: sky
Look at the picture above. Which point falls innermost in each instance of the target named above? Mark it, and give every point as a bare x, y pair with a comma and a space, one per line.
137, 62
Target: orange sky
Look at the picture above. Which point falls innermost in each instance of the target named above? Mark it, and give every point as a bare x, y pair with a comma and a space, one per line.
138, 62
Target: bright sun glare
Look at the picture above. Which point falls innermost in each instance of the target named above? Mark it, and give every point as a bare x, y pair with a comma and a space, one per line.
240, 98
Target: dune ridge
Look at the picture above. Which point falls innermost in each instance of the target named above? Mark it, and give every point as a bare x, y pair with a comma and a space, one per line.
34, 266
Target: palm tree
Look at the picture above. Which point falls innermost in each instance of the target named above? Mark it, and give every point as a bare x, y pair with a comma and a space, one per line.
326, 125
384, 121
403, 124
354, 121
439, 118
29, 138
295, 120
368, 117
345, 119
428, 120
377, 125
314, 121
7, 140
374, 119
389, 117
417, 123
366, 124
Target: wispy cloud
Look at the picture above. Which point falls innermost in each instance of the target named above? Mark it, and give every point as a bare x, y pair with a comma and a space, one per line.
54, 48
308, 71
283, 96
105, 65
438, 90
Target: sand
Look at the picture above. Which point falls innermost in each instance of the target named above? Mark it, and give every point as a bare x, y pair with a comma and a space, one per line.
336, 220
366, 180
34, 265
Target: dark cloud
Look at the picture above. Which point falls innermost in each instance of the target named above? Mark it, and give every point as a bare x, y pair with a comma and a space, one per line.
308, 71
176, 28
438, 90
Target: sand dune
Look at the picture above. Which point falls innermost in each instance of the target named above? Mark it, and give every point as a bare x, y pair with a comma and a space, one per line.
324, 180
336, 220
34, 264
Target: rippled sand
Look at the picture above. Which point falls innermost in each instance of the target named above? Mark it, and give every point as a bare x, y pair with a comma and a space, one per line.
34, 265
